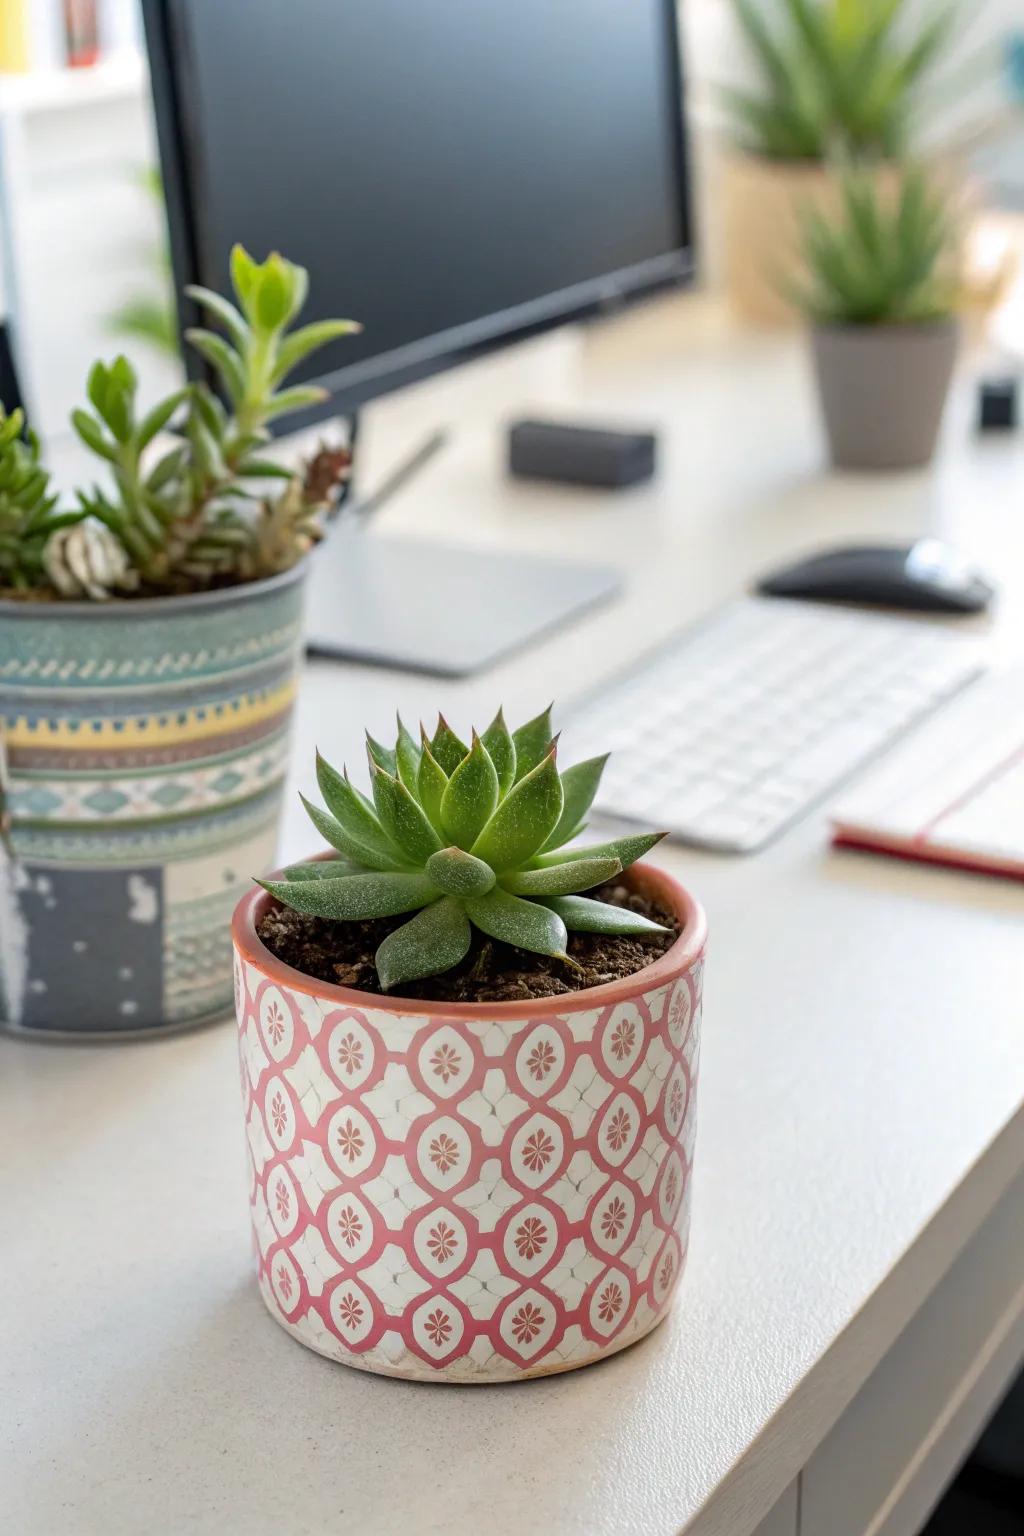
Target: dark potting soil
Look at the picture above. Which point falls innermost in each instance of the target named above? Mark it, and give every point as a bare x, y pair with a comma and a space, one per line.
492, 972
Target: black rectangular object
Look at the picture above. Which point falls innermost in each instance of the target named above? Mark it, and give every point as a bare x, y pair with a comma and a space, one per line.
997, 405
596, 456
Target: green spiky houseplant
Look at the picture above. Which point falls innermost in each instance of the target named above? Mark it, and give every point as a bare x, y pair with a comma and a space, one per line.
836, 77
149, 640
881, 296
881, 261
833, 83
463, 838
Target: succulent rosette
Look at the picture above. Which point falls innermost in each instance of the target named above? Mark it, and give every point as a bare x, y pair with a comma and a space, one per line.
464, 837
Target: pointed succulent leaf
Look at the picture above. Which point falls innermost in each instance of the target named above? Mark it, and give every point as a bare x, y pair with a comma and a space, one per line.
532, 742
96, 386
322, 869
471, 796
562, 879
123, 375
434, 940
244, 272
403, 818
458, 873
299, 288
264, 469
210, 408
626, 849
579, 786
91, 434
332, 831
355, 898
524, 820
581, 915
358, 818
171, 464
307, 340
223, 310
117, 414
296, 399
527, 924
272, 294
498, 741
384, 757
448, 750
217, 352
431, 783
10, 426
407, 759
156, 419
205, 448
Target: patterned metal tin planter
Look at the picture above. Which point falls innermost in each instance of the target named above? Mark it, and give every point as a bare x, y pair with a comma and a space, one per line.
147, 743
470, 1193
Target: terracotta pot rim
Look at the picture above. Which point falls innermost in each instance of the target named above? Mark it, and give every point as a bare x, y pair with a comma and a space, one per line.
124, 609
674, 962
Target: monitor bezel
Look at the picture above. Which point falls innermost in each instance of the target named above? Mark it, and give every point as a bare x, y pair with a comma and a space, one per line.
351, 387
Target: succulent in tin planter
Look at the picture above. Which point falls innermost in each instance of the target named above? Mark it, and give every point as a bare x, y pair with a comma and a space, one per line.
493, 1131
881, 295
190, 516
149, 633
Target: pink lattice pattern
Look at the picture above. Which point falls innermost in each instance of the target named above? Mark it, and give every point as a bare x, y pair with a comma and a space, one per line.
458, 1197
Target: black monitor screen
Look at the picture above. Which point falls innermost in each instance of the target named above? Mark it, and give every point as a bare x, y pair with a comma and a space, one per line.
452, 172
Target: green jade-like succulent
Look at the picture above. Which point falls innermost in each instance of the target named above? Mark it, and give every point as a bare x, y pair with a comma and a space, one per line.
464, 837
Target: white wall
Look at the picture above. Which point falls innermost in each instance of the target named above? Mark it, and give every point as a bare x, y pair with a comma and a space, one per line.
80, 232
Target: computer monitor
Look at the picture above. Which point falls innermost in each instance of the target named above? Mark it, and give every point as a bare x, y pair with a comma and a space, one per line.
454, 174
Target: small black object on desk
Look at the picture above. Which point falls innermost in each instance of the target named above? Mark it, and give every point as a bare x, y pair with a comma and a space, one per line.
926, 576
997, 404
594, 456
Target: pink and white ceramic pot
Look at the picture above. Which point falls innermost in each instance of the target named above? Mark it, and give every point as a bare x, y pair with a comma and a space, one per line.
470, 1192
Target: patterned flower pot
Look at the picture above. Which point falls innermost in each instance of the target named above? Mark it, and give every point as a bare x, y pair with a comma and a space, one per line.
470, 1193
146, 745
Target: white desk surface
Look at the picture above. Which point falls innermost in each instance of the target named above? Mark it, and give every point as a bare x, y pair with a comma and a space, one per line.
861, 1093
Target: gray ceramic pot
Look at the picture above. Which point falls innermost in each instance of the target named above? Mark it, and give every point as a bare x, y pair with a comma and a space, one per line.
883, 389
147, 743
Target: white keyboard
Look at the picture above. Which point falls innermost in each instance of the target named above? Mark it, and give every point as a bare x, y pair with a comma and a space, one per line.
738, 726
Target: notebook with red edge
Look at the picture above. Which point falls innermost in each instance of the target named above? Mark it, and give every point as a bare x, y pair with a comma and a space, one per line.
952, 792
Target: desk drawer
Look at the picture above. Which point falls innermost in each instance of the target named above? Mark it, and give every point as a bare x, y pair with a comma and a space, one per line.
887, 1460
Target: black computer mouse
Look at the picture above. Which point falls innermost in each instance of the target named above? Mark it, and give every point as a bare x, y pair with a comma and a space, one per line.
927, 575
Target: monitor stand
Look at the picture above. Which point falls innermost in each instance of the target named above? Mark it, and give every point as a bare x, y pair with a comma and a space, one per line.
437, 608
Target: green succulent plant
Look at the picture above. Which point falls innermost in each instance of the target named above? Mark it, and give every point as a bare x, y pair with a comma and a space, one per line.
886, 259
27, 506
183, 520
145, 506
837, 77
196, 515
464, 837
